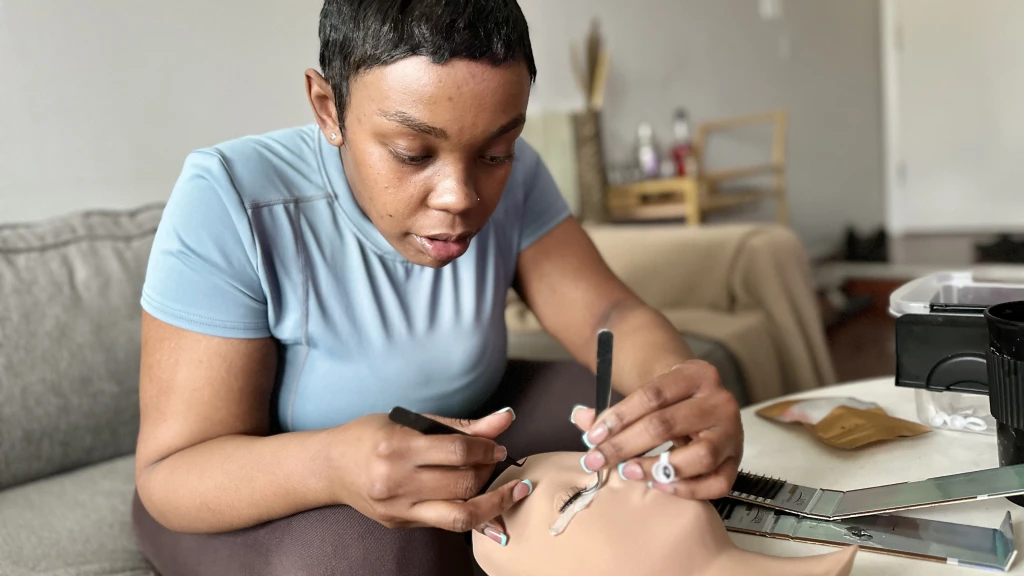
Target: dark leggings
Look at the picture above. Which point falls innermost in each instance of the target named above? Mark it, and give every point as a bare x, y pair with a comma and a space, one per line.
338, 540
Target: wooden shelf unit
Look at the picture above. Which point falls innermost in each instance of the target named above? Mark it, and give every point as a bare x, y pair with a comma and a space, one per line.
692, 198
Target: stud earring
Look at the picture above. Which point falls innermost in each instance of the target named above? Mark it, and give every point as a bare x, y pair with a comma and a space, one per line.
333, 136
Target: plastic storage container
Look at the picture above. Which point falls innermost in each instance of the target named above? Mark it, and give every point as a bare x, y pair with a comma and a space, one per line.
941, 341
954, 411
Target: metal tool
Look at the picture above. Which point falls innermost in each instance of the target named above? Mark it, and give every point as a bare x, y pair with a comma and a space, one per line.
429, 426
604, 391
824, 504
918, 538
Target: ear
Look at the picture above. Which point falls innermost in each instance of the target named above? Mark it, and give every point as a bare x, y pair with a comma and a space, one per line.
321, 100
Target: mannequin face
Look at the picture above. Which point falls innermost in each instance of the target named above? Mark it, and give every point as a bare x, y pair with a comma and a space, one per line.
627, 529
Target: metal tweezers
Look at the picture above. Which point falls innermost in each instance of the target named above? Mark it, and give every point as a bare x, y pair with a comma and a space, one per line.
604, 391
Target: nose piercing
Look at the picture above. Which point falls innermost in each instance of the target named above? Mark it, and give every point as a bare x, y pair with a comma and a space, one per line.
662, 471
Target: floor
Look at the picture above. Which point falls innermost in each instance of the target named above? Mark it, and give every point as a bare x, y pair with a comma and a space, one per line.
863, 345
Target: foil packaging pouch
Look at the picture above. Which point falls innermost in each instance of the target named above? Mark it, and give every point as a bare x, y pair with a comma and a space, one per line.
844, 423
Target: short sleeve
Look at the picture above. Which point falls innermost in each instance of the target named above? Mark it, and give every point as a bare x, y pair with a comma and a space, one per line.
202, 273
543, 204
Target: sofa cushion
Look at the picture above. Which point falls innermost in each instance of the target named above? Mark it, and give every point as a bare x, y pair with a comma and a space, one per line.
747, 338
69, 340
77, 523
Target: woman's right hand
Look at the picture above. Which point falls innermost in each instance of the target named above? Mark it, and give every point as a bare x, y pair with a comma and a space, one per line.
402, 478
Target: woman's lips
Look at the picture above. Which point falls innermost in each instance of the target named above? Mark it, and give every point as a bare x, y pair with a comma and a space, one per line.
444, 249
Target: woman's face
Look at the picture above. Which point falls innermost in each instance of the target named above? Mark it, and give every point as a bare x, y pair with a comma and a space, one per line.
428, 148
627, 529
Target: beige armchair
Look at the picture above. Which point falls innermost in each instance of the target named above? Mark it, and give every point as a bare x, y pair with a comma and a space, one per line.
745, 287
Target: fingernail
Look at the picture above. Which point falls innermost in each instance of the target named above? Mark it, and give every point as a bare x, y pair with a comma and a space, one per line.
522, 490
500, 453
584, 464
530, 484
506, 409
587, 441
496, 535
572, 415
633, 471
621, 466
593, 461
595, 436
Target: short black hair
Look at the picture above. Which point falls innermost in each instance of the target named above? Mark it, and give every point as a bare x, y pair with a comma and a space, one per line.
356, 35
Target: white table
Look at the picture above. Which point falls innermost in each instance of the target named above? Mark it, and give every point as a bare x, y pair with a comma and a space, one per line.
790, 452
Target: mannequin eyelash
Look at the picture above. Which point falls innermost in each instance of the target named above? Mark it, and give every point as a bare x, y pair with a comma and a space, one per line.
570, 496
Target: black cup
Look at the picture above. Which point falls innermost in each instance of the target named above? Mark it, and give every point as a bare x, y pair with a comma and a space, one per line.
1005, 361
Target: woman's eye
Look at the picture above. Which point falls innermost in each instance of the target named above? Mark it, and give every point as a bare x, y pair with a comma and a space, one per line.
500, 159
408, 159
414, 160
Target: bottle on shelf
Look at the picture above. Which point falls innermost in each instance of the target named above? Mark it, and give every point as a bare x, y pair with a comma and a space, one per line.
682, 146
647, 151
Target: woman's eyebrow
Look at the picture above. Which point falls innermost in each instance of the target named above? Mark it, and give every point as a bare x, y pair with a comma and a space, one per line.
413, 123
509, 126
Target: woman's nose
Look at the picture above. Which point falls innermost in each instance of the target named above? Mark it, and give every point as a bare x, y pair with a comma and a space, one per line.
455, 193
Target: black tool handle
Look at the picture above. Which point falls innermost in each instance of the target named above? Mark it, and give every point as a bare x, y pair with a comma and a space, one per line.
421, 423
428, 426
605, 342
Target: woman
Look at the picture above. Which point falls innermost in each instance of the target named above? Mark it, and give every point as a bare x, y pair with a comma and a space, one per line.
304, 282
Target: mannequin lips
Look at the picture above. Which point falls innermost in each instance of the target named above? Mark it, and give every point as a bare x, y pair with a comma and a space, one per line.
444, 247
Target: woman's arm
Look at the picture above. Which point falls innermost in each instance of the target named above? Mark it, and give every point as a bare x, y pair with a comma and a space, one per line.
670, 396
203, 460
573, 293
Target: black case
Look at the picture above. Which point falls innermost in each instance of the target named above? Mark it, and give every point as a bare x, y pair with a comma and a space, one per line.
941, 334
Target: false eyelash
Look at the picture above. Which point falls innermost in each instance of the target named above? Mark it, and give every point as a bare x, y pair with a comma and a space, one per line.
569, 497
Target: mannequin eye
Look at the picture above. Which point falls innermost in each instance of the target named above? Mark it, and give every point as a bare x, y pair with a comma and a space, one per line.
569, 497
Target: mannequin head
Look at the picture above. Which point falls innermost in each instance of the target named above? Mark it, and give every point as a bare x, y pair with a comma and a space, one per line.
627, 529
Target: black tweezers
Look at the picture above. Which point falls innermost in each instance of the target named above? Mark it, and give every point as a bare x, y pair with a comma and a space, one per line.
425, 425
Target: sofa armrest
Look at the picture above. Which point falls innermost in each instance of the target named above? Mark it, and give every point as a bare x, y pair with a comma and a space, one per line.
669, 266
673, 266
723, 274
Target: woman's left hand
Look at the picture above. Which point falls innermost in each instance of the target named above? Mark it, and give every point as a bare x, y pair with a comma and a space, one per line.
687, 406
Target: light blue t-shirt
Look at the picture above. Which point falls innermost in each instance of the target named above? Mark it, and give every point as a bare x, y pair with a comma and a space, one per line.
262, 237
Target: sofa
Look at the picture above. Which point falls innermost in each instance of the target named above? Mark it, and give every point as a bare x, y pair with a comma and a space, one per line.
69, 360
742, 295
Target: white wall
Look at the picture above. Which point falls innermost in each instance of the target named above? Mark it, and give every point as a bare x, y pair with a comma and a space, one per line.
103, 98
820, 61
957, 133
